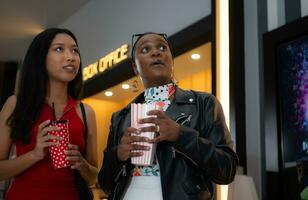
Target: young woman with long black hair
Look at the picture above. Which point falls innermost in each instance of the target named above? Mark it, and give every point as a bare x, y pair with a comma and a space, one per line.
51, 73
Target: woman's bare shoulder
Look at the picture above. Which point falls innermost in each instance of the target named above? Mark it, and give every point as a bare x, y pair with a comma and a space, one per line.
10, 103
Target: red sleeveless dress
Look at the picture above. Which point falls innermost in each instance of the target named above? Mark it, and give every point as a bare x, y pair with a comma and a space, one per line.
41, 181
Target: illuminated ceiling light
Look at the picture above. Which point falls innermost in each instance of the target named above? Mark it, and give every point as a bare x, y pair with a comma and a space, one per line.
108, 93
125, 86
195, 56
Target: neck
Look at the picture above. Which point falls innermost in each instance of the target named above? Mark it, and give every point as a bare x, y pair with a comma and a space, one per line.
57, 92
150, 85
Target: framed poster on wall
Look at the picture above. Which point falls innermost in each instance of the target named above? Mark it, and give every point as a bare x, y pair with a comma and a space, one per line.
286, 103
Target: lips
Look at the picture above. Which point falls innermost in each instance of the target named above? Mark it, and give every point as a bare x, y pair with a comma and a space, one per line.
69, 68
157, 63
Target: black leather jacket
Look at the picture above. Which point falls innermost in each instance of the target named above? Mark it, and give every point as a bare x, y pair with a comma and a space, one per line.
201, 156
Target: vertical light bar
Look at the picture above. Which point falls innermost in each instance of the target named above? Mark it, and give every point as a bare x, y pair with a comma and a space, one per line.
223, 56
222, 77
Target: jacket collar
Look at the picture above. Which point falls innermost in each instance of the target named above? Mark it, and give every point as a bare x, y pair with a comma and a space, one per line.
183, 96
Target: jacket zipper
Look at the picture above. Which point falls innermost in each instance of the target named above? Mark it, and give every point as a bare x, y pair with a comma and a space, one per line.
173, 152
188, 118
123, 172
173, 149
183, 154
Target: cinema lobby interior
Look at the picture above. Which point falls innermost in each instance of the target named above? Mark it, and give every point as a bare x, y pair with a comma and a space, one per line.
249, 54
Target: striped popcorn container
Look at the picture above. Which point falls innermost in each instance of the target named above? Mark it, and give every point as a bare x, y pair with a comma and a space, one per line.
138, 111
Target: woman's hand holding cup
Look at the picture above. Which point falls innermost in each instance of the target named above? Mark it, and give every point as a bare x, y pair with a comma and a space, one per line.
44, 140
128, 147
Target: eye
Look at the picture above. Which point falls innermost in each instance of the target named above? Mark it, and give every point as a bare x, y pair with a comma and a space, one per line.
59, 49
145, 50
162, 47
75, 50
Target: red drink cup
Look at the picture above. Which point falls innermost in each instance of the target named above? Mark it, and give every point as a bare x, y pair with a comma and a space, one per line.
58, 156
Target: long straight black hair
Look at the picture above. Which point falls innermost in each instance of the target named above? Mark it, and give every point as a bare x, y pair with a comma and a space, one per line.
32, 85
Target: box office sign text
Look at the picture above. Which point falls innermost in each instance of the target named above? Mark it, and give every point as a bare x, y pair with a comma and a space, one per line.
105, 62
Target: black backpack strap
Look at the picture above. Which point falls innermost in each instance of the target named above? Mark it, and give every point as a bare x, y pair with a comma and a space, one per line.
84, 118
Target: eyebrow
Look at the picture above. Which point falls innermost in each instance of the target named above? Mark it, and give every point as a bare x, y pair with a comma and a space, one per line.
62, 44
159, 39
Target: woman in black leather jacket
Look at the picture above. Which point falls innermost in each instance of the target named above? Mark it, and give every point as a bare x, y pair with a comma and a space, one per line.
194, 146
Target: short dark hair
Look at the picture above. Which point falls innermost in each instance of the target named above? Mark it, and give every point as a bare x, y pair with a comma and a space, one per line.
139, 36
32, 84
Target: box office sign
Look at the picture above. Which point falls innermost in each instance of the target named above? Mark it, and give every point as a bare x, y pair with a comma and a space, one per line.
105, 62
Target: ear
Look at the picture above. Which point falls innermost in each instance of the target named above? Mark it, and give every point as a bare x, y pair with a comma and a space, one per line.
135, 68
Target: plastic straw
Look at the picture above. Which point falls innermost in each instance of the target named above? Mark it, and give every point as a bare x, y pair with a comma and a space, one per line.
53, 112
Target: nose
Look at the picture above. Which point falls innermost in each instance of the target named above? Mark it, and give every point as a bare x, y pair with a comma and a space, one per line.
69, 56
156, 52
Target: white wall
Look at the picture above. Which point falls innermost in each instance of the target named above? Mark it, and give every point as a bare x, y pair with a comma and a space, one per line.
102, 26
276, 13
275, 18
253, 89
252, 92
304, 8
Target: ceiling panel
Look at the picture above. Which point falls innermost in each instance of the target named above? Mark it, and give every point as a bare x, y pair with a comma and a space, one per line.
20, 21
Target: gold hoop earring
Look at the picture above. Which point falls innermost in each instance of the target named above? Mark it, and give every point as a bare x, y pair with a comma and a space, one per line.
135, 86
